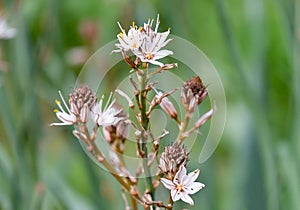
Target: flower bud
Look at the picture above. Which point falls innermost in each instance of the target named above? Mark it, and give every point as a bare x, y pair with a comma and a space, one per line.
168, 107
171, 159
204, 118
193, 93
81, 102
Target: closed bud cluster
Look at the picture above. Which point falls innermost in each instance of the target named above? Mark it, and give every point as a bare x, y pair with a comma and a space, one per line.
172, 157
83, 96
81, 102
193, 93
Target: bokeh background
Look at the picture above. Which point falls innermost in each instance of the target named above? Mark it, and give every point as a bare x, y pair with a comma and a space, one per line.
254, 45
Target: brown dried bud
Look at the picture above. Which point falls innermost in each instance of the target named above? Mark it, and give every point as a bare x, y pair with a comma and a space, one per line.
172, 157
167, 67
81, 101
193, 93
133, 64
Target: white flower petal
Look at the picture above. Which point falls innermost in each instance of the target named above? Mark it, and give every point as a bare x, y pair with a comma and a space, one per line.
162, 54
191, 177
96, 111
160, 41
163, 44
194, 187
59, 124
181, 173
176, 195
138, 54
186, 198
167, 183
108, 116
69, 119
154, 62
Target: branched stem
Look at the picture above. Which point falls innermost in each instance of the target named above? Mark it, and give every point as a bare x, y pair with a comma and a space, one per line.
100, 157
182, 128
126, 184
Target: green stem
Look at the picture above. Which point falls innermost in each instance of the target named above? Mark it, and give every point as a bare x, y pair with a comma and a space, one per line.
144, 134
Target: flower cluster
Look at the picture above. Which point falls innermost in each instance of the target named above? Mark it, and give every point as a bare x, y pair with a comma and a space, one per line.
172, 164
83, 104
172, 158
144, 42
85, 110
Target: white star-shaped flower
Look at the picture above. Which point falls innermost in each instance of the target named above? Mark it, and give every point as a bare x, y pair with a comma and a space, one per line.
108, 115
66, 117
130, 41
150, 50
144, 42
183, 185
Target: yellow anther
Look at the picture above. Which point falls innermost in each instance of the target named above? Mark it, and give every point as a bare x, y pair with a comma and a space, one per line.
121, 34
149, 56
134, 45
179, 187
133, 23
55, 110
141, 29
57, 102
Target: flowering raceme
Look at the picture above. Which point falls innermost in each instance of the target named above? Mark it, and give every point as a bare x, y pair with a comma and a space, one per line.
90, 117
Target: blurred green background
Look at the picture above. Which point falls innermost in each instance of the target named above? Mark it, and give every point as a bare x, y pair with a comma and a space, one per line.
254, 44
